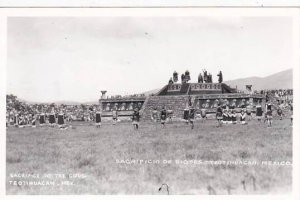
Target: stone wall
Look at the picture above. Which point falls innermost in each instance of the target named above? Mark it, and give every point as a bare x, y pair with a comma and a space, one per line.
176, 103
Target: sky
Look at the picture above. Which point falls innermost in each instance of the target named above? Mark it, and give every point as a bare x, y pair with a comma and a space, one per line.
74, 58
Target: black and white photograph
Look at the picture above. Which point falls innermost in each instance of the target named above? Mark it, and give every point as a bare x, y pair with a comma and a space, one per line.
151, 102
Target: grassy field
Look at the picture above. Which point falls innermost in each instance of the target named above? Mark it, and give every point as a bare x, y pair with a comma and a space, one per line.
93, 152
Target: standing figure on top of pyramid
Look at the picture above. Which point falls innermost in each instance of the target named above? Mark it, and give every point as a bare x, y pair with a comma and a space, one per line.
187, 76
175, 77
205, 76
209, 77
200, 78
183, 80
170, 81
220, 75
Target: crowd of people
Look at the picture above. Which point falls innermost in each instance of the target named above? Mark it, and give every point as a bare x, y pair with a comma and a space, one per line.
205, 78
233, 113
283, 95
229, 116
21, 114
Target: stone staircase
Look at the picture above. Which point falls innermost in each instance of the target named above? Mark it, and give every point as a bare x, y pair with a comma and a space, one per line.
175, 103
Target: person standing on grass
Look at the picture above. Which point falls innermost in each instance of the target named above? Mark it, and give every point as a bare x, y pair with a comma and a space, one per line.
269, 114
154, 115
186, 114
279, 113
115, 115
291, 109
52, 118
233, 117
225, 116
259, 111
219, 115
25, 119
42, 118
60, 119
170, 116
203, 113
33, 120
243, 117
191, 116
16, 119
136, 118
229, 121
98, 118
265, 118
163, 116
11, 118
21, 120
7, 119
249, 111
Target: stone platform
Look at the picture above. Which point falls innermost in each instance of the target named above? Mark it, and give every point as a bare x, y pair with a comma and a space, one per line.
177, 103
175, 97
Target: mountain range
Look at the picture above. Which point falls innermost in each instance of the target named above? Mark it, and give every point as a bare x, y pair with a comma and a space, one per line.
280, 80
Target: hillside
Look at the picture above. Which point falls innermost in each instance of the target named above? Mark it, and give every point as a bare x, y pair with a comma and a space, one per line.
280, 80
151, 92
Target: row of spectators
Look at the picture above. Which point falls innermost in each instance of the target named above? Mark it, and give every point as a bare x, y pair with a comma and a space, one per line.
28, 112
283, 95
